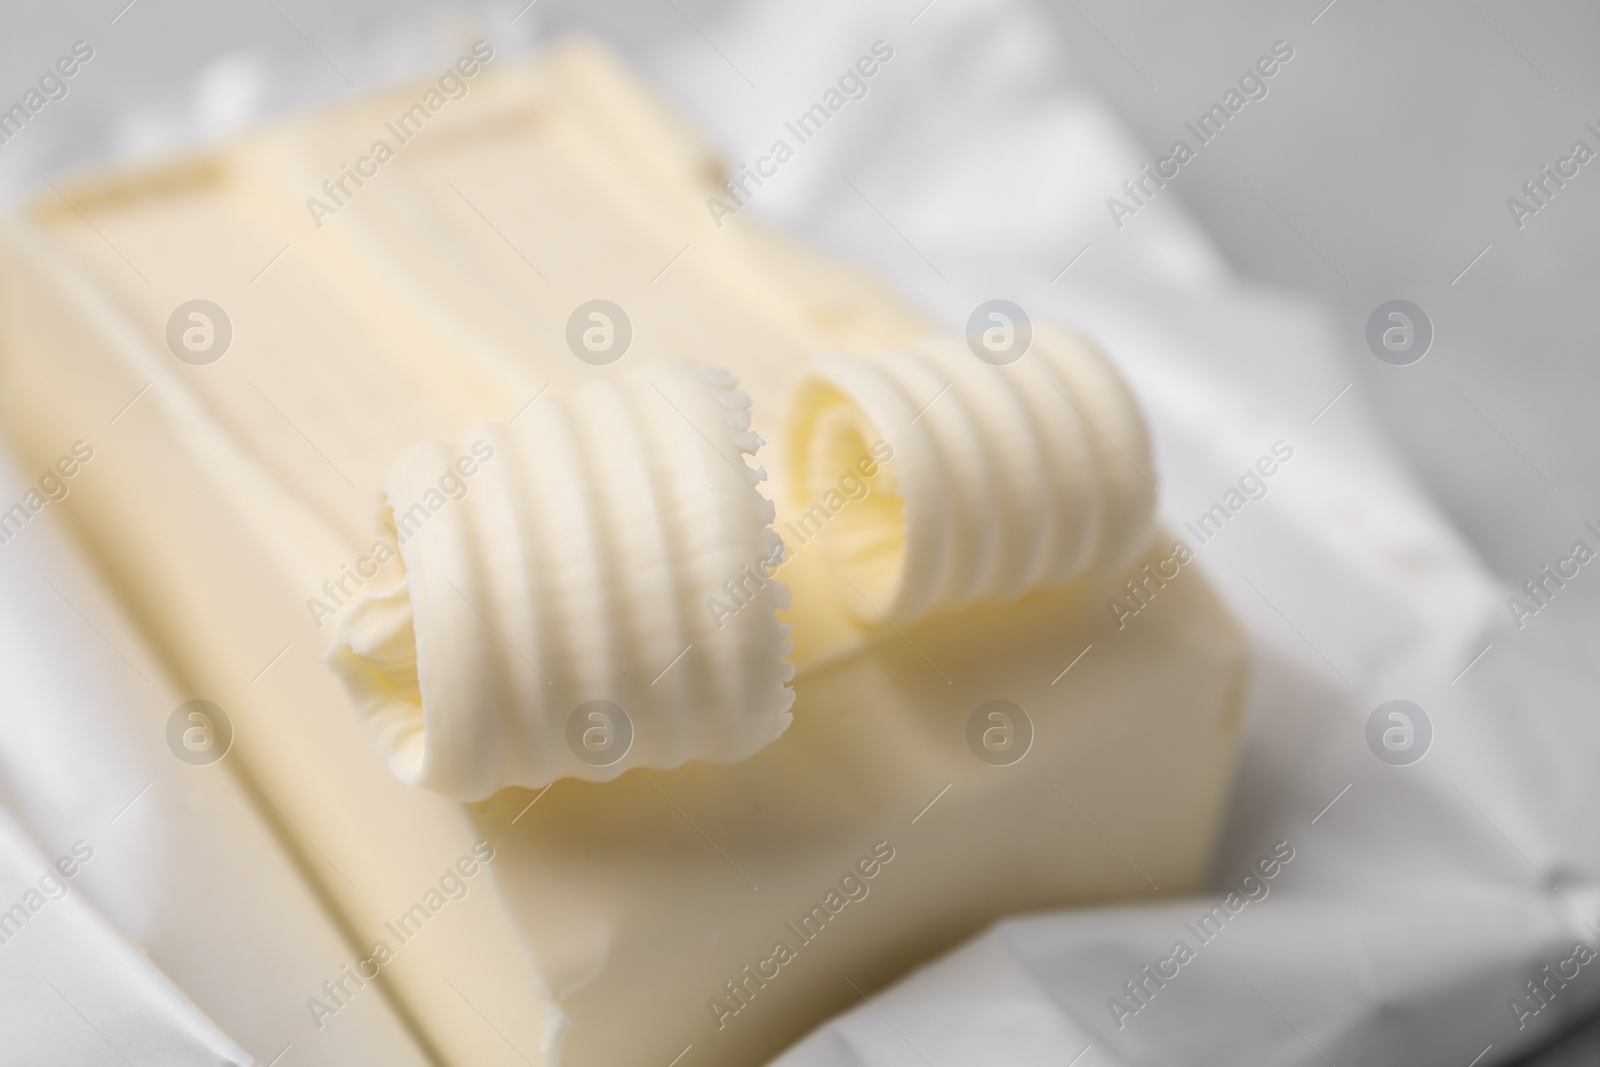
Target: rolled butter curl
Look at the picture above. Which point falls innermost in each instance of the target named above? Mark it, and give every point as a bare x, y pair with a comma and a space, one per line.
595, 596
1004, 479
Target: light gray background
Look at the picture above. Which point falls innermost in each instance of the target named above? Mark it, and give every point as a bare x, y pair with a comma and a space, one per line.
1378, 168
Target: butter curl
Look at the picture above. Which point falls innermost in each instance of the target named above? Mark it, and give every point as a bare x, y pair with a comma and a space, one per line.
593, 597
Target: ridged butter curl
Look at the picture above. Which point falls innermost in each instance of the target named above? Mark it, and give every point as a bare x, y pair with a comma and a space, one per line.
553, 619
1004, 479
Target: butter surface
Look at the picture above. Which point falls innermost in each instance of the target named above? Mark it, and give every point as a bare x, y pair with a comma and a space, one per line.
234, 504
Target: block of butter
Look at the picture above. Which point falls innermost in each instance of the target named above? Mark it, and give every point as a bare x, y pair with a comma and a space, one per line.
464, 388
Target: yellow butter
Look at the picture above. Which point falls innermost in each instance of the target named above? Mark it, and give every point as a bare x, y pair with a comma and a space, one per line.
235, 506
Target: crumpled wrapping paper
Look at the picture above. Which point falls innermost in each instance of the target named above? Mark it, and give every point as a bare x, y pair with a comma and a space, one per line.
1420, 899
73, 989
188, 928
